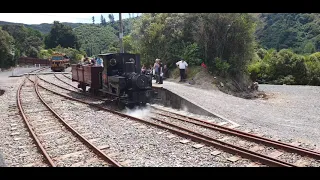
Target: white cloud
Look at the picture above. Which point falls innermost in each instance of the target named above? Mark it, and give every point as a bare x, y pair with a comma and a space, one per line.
38, 18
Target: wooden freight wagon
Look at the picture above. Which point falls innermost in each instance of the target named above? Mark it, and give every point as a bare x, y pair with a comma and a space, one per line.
87, 75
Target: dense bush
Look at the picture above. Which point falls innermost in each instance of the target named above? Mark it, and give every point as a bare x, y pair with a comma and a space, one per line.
74, 55
62, 35
95, 39
285, 67
223, 41
6, 48
27, 41
299, 31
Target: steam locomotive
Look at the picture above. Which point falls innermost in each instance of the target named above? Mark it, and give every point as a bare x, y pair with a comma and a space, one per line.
119, 79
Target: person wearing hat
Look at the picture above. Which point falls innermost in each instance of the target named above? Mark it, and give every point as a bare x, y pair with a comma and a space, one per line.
182, 65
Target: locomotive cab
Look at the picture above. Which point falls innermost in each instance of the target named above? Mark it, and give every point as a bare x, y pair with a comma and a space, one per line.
122, 78
59, 62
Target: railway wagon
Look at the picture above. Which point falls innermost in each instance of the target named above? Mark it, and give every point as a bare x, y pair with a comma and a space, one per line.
119, 79
87, 76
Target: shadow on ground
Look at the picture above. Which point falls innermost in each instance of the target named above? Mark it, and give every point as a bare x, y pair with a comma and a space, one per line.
1, 92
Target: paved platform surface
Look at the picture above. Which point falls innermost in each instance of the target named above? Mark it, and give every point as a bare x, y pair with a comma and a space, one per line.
290, 112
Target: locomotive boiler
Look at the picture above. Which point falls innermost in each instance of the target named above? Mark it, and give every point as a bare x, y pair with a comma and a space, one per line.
119, 79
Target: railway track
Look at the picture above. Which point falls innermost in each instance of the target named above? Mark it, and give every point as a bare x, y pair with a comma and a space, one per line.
250, 153
55, 138
72, 93
245, 147
221, 128
67, 76
237, 139
61, 80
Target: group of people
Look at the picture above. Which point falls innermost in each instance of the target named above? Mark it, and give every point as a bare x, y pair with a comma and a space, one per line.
160, 71
93, 62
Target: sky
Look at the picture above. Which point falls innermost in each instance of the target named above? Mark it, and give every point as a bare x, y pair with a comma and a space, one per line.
38, 18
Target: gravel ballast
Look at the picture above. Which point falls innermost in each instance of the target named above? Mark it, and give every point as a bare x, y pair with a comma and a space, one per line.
138, 143
291, 112
16, 145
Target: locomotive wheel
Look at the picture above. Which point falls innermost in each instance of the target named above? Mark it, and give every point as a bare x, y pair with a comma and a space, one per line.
121, 105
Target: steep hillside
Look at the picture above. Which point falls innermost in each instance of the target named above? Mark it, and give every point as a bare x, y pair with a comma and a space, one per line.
43, 28
95, 38
298, 31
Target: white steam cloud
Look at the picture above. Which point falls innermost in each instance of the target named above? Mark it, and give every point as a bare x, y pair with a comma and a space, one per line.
138, 112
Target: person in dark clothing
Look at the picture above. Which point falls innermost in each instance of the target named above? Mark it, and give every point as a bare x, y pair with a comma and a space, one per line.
143, 69
93, 62
165, 72
182, 65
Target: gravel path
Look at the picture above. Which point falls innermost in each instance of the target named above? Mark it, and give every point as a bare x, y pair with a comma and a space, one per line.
291, 112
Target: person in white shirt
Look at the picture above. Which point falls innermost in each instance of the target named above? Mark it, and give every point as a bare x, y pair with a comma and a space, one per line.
182, 65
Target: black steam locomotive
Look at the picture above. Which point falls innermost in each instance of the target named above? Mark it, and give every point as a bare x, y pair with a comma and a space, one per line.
119, 79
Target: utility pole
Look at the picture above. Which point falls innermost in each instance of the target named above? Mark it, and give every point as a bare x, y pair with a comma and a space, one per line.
121, 34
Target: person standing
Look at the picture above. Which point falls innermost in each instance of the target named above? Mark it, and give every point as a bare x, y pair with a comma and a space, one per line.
156, 68
160, 81
99, 62
143, 69
182, 65
165, 72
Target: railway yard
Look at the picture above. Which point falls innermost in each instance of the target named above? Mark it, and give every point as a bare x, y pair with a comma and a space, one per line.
47, 121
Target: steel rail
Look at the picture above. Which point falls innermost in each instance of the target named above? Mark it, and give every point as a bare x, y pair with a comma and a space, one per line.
232, 148
246, 153
77, 92
73, 131
245, 135
64, 82
67, 76
29, 127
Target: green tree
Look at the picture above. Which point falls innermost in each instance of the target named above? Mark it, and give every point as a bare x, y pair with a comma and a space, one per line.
28, 42
309, 48
97, 37
103, 21
6, 49
111, 18
74, 55
288, 30
63, 35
